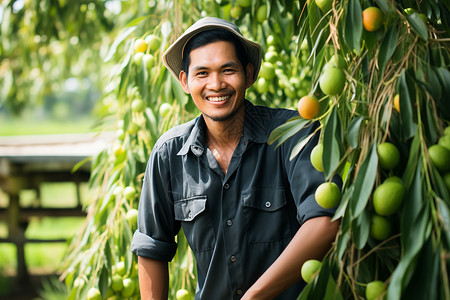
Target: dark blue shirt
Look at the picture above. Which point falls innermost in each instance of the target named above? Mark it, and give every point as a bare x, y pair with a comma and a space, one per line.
238, 223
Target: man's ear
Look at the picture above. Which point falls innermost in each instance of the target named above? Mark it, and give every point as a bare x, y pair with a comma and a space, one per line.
184, 83
249, 69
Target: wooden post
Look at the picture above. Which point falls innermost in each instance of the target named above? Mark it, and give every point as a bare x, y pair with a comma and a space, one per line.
17, 234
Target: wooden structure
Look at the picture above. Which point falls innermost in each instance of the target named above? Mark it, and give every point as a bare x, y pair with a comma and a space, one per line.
28, 161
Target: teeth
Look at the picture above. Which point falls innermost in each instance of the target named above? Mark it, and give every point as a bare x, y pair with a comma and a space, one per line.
217, 99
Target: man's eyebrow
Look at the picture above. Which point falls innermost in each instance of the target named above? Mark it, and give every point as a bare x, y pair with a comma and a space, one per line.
231, 64
225, 65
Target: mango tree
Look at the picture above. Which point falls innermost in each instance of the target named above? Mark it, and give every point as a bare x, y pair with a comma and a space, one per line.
381, 86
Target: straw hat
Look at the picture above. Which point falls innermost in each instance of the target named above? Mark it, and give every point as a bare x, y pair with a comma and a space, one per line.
173, 57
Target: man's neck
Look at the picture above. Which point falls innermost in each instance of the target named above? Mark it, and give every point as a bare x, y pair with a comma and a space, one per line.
223, 137
227, 131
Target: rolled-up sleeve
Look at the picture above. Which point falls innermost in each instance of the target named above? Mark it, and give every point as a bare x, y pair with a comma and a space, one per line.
157, 227
304, 178
144, 245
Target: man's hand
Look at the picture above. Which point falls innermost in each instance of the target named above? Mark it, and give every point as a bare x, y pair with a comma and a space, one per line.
312, 240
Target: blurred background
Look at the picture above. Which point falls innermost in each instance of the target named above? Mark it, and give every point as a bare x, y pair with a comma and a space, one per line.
51, 71
83, 79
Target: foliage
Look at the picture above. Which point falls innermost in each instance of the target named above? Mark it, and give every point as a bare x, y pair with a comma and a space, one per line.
408, 56
42, 43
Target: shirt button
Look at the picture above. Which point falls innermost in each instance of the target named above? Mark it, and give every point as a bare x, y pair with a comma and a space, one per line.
239, 292
233, 258
268, 204
226, 186
229, 222
190, 215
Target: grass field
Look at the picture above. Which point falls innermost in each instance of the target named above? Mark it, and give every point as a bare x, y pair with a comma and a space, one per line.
25, 126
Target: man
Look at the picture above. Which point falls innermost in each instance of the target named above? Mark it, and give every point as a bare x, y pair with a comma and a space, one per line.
248, 212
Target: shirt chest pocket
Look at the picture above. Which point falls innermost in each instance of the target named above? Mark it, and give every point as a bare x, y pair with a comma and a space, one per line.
265, 215
196, 222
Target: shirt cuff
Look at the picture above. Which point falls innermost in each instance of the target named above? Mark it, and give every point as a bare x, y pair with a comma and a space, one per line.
146, 246
310, 209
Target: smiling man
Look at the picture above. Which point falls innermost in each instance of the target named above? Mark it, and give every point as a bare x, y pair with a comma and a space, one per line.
247, 210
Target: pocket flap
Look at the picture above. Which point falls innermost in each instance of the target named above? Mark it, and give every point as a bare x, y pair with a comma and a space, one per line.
188, 209
264, 198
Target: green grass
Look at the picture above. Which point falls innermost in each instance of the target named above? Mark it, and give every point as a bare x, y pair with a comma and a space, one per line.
9, 127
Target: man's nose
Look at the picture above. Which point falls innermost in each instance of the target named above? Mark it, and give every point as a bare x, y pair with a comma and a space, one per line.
215, 82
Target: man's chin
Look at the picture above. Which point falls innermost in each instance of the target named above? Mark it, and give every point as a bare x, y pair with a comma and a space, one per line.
220, 118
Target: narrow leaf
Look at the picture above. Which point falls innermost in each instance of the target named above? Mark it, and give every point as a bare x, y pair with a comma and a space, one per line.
353, 25
281, 130
353, 131
364, 182
123, 35
360, 229
342, 208
418, 25
426, 273
299, 146
387, 48
331, 152
443, 211
406, 112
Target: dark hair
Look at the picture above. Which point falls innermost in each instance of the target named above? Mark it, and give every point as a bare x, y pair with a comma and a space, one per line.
210, 36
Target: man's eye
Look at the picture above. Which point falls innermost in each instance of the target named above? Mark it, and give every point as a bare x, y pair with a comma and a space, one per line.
201, 73
229, 70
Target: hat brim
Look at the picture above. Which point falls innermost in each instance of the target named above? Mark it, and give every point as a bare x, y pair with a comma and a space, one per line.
173, 56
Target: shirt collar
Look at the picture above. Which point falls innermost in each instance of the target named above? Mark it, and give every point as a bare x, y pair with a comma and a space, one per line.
255, 129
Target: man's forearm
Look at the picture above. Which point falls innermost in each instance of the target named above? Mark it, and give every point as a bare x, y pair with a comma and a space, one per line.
313, 240
153, 279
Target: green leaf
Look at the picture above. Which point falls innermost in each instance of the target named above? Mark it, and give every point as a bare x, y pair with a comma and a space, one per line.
103, 281
332, 291
406, 112
360, 229
299, 146
430, 126
317, 45
353, 131
384, 5
433, 84
314, 20
289, 128
320, 282
413, 240
425, 273
342, 208
413, 159
440, 187
443, 212
443, 75
395, 286
387, 48
137, 21
418, 25
304, 295
342, 244
331, 148
119, 39
414, 204
364, 182
353, 25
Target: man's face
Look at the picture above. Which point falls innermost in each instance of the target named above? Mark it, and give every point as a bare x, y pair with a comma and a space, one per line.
217, 81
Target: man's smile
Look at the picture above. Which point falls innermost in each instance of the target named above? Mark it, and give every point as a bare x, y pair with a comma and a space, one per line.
218, 98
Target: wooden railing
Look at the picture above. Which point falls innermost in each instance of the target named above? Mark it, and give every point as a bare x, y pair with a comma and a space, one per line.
26, 162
